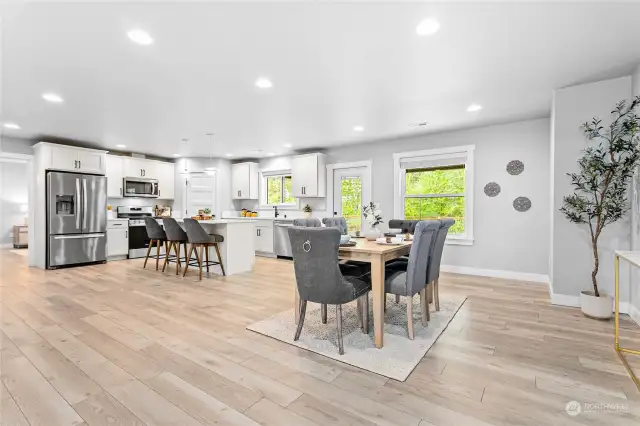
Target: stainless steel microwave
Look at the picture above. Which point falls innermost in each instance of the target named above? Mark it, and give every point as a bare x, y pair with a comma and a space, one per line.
140, 187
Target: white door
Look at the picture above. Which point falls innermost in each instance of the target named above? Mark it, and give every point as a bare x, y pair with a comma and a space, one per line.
91, 162
117, 242
263, 239
114, 172
64, 158
350, 192
200, 194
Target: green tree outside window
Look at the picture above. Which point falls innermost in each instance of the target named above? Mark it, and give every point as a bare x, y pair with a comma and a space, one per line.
280, 190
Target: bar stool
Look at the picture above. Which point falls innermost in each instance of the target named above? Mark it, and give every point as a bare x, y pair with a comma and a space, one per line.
156, 234
175, 237
199, 238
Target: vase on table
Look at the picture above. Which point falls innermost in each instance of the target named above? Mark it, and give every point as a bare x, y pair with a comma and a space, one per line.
372, 234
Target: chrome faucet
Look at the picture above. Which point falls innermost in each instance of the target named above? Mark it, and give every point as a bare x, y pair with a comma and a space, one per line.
276, 209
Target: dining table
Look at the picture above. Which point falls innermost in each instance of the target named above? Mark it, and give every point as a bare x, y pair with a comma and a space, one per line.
377, 255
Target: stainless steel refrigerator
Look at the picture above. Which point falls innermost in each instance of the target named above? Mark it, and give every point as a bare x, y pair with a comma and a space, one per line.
76, 219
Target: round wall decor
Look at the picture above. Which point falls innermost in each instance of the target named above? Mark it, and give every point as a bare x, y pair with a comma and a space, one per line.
522, 204
492, 189
515, 167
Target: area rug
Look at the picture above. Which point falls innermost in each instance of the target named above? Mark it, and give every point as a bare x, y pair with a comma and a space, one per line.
395, 360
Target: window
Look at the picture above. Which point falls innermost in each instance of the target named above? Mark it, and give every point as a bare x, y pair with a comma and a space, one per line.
279, 190
437, 184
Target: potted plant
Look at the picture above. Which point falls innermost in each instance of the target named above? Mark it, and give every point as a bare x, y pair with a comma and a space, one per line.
600, 188
373, 215
307, 211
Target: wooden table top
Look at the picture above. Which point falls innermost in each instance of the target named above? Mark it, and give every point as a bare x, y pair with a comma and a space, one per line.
365, 246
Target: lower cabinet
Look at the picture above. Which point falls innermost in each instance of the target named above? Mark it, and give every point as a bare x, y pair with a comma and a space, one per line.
263, 239
117, 239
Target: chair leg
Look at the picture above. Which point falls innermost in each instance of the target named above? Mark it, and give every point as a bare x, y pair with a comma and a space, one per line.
157, 254
303, 310
436, 294
219, 258
339, 321
166, 255
323, 312
185, 254
206, 254
188, 258
176, 247
424, 306
199, 258
148, 252
359, 310
363, 311
397, 298
410, 316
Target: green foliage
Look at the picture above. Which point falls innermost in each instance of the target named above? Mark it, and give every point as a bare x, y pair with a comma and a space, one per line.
280, 190
351, 192
600, 187
307, 208
433, 182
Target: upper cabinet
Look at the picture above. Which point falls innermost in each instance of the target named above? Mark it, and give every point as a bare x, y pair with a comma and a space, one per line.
115, 173
68, 158
119, 167
309, 175
244, 181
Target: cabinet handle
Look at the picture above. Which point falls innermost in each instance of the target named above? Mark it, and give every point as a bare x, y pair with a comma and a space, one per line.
75, 164
126, 234
80, 162
120, 191
239, 192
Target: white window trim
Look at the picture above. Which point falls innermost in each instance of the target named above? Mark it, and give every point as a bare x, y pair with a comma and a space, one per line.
399, 186
262, 185
337, 166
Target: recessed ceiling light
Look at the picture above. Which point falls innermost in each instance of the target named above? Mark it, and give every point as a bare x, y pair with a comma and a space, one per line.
427, 27
271, 154
140, 37
52, 97
13, 126
287, 145
228, 154
474, 108
358, 129
176, 155
264, 83
418, 124
209, 168
120, 146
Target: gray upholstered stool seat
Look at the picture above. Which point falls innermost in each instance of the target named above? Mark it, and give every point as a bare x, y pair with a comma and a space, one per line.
156, 236
175, 238
404, 225
308, 223
216, 238
199, 238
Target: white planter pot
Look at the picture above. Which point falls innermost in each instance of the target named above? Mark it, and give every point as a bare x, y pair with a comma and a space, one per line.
307, 215
371, 234
596, 307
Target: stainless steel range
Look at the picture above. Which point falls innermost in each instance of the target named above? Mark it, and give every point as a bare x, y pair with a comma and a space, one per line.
138, 238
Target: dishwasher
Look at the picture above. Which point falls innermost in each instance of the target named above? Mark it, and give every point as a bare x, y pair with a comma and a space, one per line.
281, 243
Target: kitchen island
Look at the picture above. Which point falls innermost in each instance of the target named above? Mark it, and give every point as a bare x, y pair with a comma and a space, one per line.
237, 250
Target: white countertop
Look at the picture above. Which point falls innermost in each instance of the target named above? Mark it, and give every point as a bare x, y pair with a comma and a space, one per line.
632, 257
261, 218
221, 221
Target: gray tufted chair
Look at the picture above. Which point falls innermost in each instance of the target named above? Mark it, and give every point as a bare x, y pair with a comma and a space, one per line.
318, 276
156, 236
403, 225
414, 279
308, 223
336, 222
199, 238
433, 273
175, 237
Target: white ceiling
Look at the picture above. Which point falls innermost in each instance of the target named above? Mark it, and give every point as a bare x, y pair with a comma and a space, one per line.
333, 66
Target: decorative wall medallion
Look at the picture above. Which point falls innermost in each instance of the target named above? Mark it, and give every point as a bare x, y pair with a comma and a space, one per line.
522, 204
515, 167
492, 189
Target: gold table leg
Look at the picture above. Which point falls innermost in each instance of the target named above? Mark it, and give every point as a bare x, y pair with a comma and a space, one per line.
618, 349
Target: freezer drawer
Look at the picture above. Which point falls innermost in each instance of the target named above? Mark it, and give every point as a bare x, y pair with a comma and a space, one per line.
76, 249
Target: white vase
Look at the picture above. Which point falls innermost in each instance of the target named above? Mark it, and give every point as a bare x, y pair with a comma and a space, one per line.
371, 234
596, 307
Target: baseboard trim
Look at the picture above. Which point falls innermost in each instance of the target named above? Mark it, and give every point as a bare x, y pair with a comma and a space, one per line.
495, 273
574, 302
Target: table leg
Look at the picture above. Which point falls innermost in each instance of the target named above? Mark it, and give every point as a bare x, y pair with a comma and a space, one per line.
377, 290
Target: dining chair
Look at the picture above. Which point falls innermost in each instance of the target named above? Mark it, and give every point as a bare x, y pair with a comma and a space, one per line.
336, 222
308, 223
175, 238
413, 280
199, 238
156, 236
319, 279
404, 225
433, 273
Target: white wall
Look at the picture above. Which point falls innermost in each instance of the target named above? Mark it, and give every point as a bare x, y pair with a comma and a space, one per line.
13, 196
572, 258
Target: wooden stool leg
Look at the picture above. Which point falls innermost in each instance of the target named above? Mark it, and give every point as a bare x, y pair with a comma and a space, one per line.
166, 255
188, 259
157, 254
148, 252
206, 254
199, 260
219, 258
176, 247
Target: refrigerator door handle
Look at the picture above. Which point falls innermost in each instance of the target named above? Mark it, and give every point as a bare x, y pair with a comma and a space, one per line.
77, 203
84, 203
77, 236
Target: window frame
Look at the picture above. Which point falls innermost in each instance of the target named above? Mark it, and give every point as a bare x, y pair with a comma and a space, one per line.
466, 151
264, 187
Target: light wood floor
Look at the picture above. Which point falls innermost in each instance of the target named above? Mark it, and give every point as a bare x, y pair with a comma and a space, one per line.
118, 345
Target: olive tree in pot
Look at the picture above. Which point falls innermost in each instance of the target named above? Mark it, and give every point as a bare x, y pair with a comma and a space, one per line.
600, 188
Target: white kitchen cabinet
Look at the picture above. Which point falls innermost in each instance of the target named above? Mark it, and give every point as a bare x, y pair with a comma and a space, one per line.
244, 181
117, 238
114, 173
138, 167
263, 239
165, 174
68, 158
309, 175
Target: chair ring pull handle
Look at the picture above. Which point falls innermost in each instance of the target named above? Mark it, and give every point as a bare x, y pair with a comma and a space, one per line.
306, 246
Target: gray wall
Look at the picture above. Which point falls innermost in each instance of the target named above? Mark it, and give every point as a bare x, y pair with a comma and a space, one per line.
13, 195
572, 258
